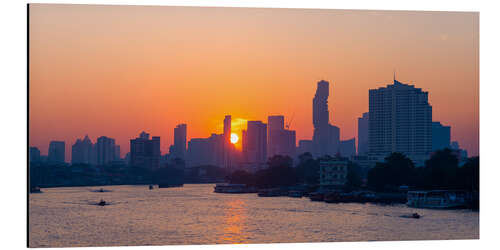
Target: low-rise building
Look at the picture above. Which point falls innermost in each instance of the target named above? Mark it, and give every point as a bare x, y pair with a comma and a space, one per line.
333, 172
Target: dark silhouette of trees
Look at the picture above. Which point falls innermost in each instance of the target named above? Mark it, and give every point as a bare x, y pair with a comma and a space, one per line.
396, 170
441, 171
354, 176
308, 169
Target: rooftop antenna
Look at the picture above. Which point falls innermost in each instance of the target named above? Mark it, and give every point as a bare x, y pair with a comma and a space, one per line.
394, 75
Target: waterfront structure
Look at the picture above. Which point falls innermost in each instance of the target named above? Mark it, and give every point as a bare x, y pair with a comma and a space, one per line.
326, 137
363, 127
333, 172
34, 154
145, 152
81, 151
347, 148
179, 148
400, 120
57, 151
254, 144
440, 136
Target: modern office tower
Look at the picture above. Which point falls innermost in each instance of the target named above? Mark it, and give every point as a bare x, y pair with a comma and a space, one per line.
179, 147
144, 152
34, 154
227, 142
275, 126
280, 141
205, 151
305, 146
326, 137
400, 121
117, 153
440, 136
105, 150
363, 125
255, 143
81, 151
56, 152
348, 148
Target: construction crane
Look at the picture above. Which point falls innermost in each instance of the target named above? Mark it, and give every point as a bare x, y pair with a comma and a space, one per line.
289, 123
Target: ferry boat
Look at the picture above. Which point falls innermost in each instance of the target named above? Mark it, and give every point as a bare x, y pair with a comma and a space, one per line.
233, 188
436, 199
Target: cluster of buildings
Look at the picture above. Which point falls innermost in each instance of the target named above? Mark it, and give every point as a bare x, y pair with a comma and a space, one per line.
399, 119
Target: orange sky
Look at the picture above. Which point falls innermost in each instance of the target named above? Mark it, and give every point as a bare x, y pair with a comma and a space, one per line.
118, 70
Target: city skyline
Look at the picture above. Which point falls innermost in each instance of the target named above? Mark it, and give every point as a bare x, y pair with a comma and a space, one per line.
127, 97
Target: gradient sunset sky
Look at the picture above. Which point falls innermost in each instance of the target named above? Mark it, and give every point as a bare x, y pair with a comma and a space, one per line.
119, 70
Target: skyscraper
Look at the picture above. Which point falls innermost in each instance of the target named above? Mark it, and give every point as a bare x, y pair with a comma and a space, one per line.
56, 152
81, 151
440, 136
347, 148
105, 149
255, 143
144, 152
400, 121
227, 142
280, 141
326, 137
363, 125
179, 149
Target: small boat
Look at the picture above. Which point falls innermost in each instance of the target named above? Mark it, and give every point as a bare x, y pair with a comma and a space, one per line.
233, 188
169, 185
441, 199
35, 189
102, 203
150, 187
272, 192
316, 196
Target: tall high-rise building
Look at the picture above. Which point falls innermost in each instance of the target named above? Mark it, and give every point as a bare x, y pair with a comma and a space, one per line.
57, 151
347, 148
255, 142
400, 121
363, 127
326, 137
280, 141
81, 151
117, 153
179, 149
145, 152
440, 136
34, 154
305, 146
227, 142
205, 151
105, 150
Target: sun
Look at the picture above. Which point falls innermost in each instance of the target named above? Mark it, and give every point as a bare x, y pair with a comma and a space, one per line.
234, 138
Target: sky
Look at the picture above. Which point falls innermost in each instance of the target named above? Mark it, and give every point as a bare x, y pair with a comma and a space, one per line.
118, 70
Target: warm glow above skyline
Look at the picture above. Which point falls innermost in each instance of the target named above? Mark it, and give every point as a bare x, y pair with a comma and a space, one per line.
119, 70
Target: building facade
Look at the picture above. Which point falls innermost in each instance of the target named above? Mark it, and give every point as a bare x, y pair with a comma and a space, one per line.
333, 172
254, 144
57, 150
145, 152
363, 128
440, 136
400, 120
179, 147
326, 137
81, 151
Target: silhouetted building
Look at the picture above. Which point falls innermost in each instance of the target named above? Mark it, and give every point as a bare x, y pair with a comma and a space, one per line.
206, 151
461, 152
254, 144
326, 137
304, 147
81, 151
227, 142
179, 147
280, 141
363, 127
105, 149
56, 152
118, 156
34, 154
145, 152
400, 121
440, 136
348, 148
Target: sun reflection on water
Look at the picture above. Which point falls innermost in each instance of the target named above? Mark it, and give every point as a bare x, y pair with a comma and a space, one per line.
234, 222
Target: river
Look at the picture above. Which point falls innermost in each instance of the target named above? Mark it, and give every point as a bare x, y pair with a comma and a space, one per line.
193, 214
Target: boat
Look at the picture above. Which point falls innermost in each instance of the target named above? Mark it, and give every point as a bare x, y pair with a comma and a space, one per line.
233, 188
440, 199
102, 203
168, 185
316, 196
35, 189
272, 192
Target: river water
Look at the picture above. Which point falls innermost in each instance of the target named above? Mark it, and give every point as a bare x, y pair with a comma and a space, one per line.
193, 214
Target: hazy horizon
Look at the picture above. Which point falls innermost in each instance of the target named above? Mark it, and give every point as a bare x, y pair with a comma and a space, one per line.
119, 70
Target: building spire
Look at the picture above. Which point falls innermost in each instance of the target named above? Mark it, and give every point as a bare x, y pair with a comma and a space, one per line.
394, 77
